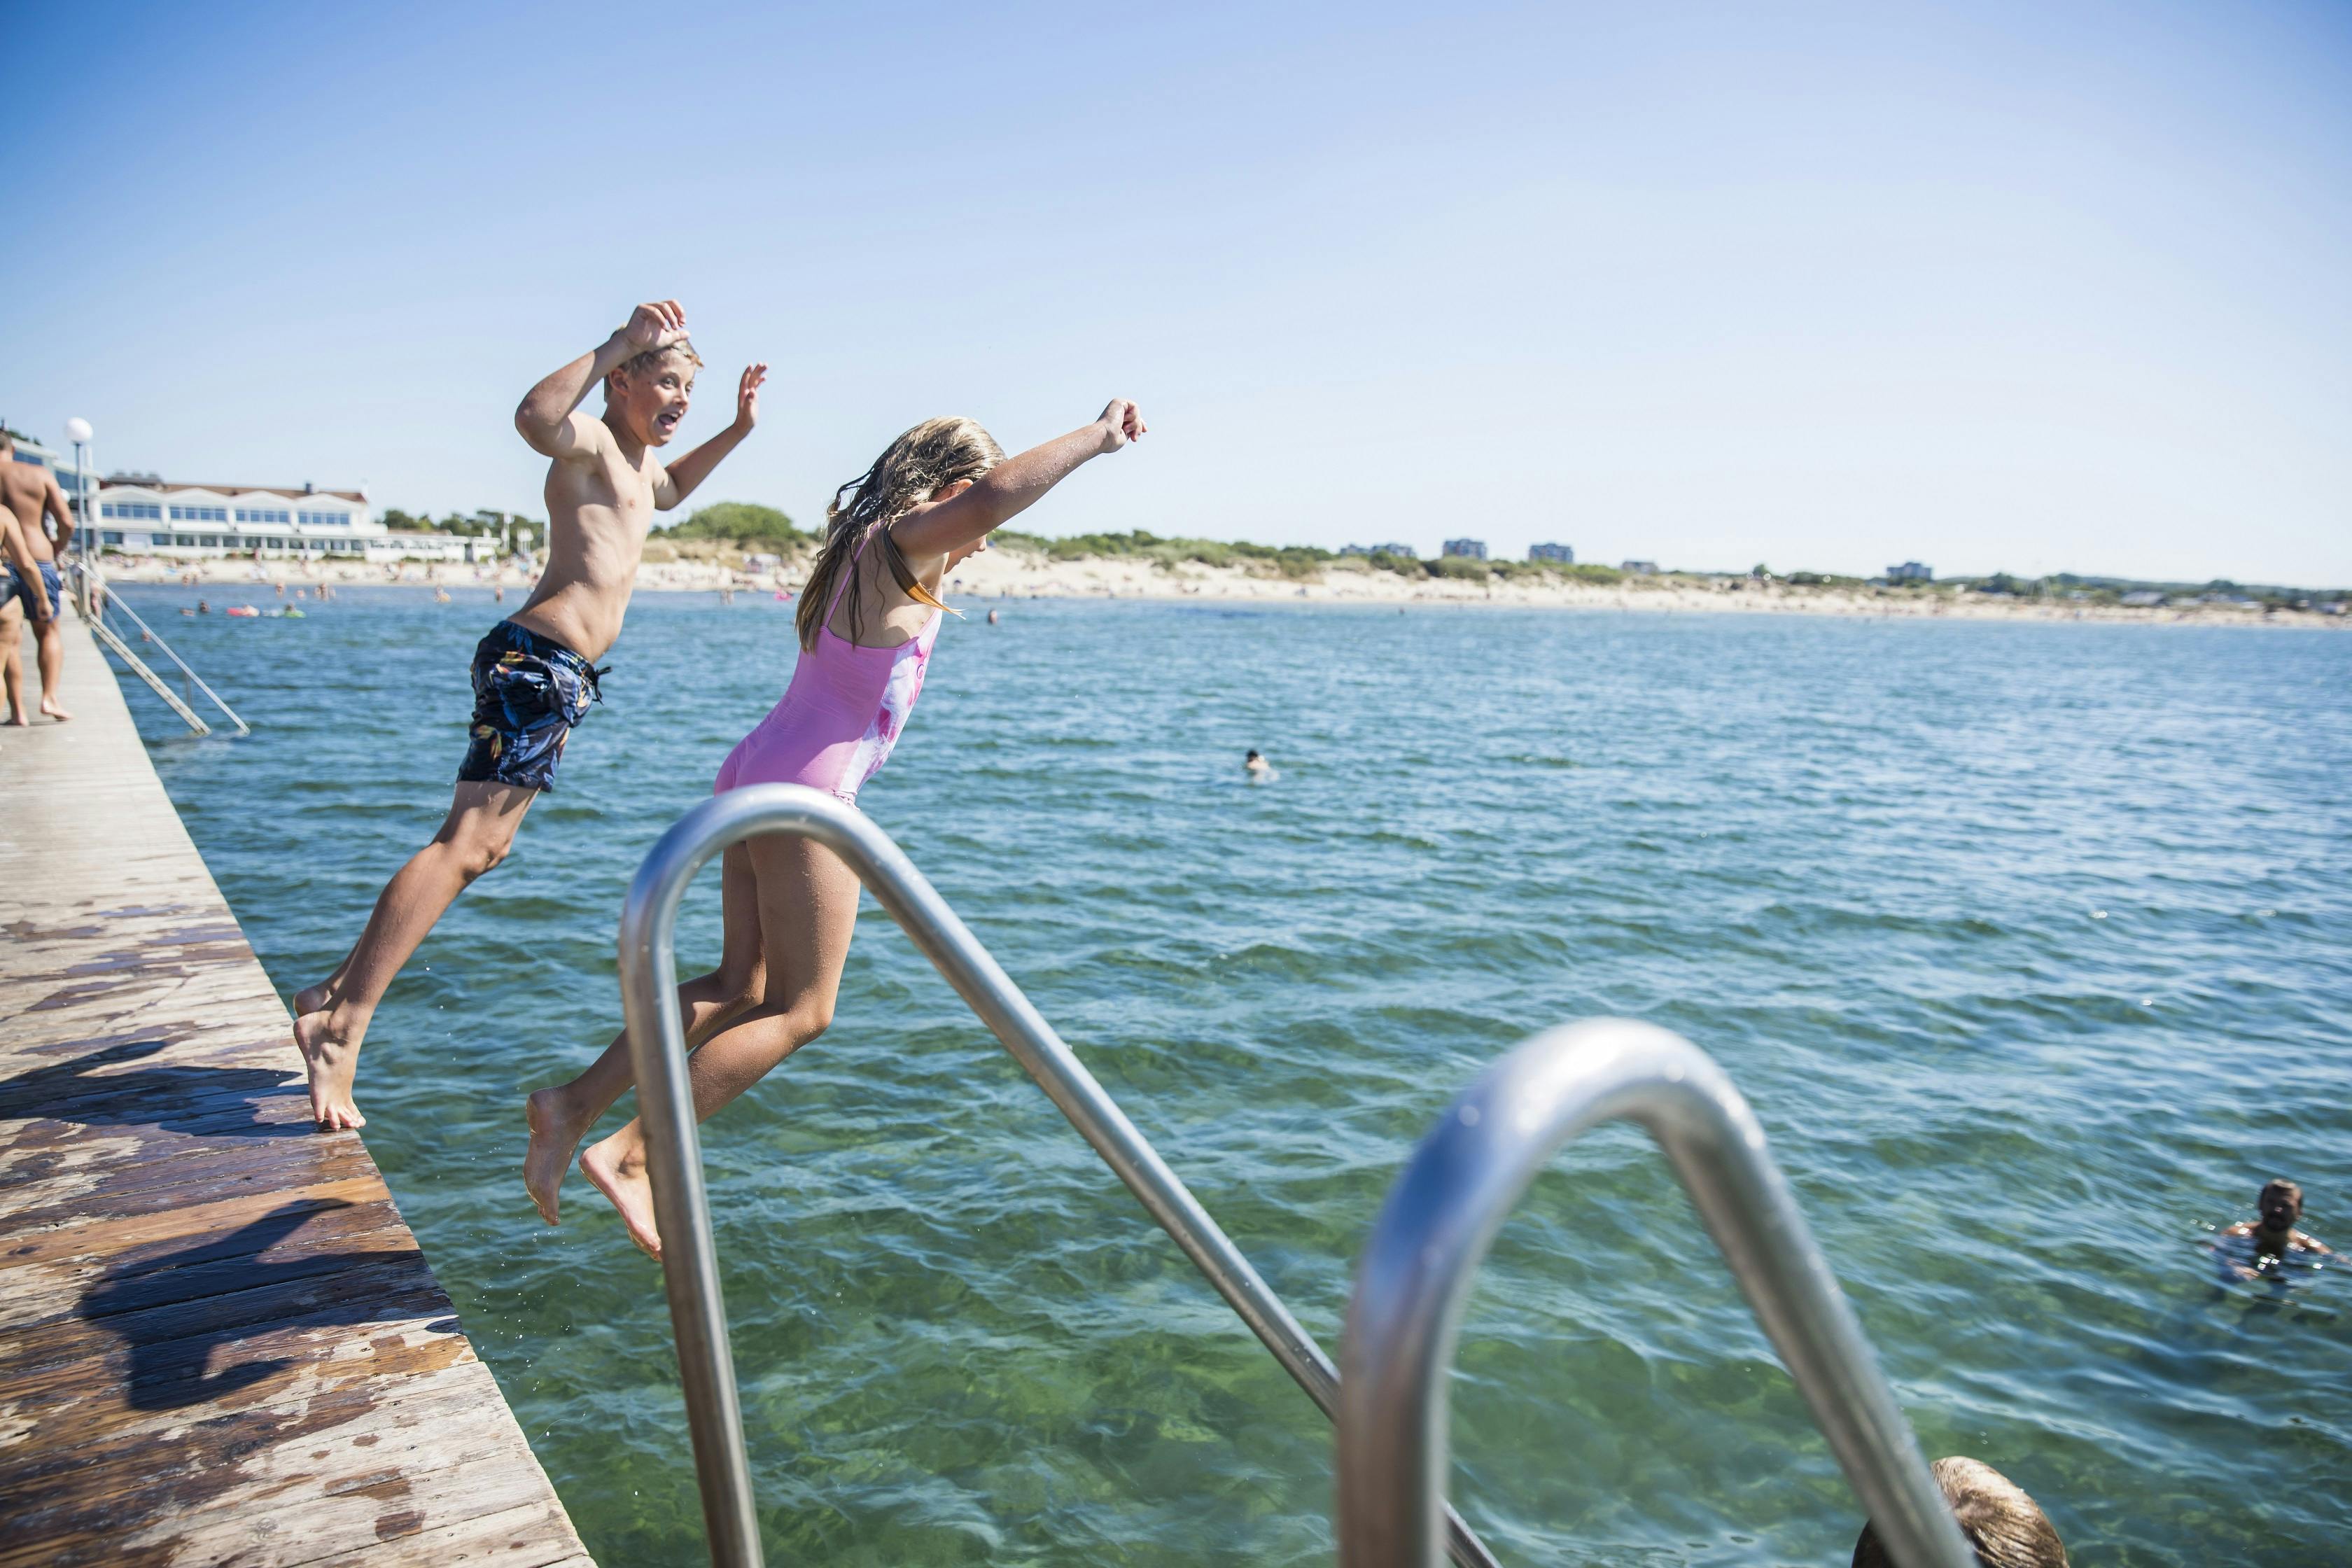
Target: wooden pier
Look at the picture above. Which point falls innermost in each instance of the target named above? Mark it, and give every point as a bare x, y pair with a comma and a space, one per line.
218, 1342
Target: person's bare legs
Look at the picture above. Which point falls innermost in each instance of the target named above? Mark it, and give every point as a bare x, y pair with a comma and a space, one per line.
561, 1115
808, 911
12, 658
328, 1028
49, 638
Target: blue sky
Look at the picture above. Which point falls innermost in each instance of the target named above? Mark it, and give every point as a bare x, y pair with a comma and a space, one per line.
2026, 288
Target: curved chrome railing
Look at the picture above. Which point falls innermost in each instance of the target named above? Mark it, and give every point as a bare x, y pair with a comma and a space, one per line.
1468, 1173
674, 1149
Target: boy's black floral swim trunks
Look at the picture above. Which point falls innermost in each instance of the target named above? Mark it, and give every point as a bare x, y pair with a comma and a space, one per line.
529, 691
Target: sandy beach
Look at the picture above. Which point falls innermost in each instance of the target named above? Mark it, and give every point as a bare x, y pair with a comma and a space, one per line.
1017, 571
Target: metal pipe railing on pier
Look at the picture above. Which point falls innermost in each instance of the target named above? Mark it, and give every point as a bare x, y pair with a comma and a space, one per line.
94, 599
666, 1107
1467, 1175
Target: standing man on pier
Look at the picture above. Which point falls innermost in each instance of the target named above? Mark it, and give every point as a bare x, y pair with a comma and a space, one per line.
28, 492
535, 674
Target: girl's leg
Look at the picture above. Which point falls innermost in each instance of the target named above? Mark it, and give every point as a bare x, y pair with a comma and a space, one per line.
808, 910
560, 1116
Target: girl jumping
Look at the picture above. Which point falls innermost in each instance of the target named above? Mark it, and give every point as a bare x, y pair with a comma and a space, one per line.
867, 621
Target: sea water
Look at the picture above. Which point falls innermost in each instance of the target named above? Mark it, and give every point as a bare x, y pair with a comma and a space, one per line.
2029, 944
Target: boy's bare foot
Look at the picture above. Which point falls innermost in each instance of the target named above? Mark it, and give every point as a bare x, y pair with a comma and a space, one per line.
553, 1137
313, 998
17, 716
619, 1171
50, 708
330, 1063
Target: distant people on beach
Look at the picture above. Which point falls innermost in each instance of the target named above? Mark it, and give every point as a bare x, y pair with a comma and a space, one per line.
2253, 1247
29, 493
2006, 1528
867, 621
535, 674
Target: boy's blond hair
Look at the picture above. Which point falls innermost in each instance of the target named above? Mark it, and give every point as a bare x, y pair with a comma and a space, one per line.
638, 364
2006, 1528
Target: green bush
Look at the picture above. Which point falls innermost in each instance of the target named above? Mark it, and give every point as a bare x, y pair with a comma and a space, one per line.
740, 523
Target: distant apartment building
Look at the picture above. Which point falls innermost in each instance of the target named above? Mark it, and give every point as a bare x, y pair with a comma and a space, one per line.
1559, 552
1403, 551
1910, 571
1468, 549
1638, 568
179, 521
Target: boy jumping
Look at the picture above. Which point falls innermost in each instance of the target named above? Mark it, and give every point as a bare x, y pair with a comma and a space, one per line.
534, 675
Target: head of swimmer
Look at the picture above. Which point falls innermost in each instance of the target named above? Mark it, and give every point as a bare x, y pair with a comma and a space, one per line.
2282, 1205
647, 395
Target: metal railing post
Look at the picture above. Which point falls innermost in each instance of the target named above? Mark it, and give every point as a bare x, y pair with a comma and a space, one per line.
648, 962
1467, 1175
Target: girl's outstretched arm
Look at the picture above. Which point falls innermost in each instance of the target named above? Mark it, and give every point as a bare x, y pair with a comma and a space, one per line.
1013, 486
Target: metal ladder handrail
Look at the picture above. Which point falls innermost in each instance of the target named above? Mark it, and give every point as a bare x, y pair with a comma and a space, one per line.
648, 962
1470, 1172
94, 599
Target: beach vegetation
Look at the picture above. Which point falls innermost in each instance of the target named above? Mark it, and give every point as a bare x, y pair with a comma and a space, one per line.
744, 524
1294, 561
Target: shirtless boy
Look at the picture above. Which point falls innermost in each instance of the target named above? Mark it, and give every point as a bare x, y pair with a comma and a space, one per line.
534, 675
27, 492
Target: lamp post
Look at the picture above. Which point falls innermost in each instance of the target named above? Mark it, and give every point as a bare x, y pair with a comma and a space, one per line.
77, 431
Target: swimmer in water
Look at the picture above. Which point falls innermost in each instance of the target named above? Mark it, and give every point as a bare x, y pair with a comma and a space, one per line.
992, 617
2272, 1239
2005, 1528
1258, 767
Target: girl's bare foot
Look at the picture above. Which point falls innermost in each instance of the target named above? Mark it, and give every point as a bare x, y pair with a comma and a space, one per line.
618, 1168
553, 1136
50, 706
330, 1060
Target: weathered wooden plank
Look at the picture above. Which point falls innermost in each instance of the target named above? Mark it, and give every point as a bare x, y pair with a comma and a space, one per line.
218, 1340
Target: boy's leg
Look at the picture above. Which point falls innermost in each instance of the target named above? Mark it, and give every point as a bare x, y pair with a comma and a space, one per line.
474, 837
808, 912
561, 1115
12, 657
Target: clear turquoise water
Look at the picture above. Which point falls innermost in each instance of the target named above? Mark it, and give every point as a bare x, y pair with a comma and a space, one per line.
2031, 945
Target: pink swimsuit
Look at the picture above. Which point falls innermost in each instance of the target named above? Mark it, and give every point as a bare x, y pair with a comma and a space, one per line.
837, 722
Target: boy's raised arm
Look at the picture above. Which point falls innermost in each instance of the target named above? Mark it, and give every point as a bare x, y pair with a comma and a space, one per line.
1014, 485
679, 478
546, 417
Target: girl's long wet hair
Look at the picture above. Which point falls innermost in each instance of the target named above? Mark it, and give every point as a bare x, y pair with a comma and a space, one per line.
932, 455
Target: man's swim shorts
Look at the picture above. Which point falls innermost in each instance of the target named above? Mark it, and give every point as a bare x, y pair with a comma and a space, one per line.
50, 581
529, 691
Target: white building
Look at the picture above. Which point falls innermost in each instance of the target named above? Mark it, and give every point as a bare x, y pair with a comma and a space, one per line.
1468, 549
1910, 571
1559, 552
1639, 568
192, 523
